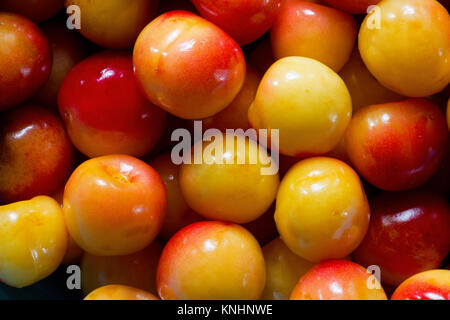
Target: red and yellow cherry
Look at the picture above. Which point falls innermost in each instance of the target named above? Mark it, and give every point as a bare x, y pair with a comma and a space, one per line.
104, 111
229, 184
364, 89
408, 233
178, 214
413, 39
234, 116
212, 64
428, 285
211, 260
36, 156
264, 228
352, 6
314, 31
34, 240
307, 101
399, 145
244, 20
261, 57
322, 211
68, 48
114, 205
136, 270
338, 280
119, 292
37, 11
114, 24
25, 59
283, 268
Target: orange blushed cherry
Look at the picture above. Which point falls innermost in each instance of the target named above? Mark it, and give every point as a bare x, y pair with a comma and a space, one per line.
25, 59
428, 285
193, 75
314, 31
338, 280
211, 260
114, 205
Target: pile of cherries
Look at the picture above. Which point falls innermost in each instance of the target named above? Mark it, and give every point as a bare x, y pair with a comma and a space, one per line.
353, 96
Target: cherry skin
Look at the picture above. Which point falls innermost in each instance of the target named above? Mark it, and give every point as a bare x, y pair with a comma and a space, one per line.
399, 145
25, 59
36, 156
68, 48
322, 210
119, 292
314, 31
211, 260
414, 39
114, 205
428, 285
352, 6
237, 192
244, 20
35, 10
338, 280
408, 233
307, 101
114, 24
104, 111
284, 269
212, 65
33, 240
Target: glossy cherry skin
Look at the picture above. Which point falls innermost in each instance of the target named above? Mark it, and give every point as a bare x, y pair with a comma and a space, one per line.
236, 192
178, 214
322, 210
114, 24
211, 260
408, 234
414, 38
364, 89
234, 116
25, 59
136, 270
36, 10
104, 111
212, 62
399, 145
338, 280
33, 240
36, 156
314, 31
352, 6
284, 268
307, 101
119, 292
68, 48
114, 205
427, 285
244, 20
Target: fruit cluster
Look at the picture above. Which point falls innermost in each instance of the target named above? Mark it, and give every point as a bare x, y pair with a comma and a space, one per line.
350, 99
